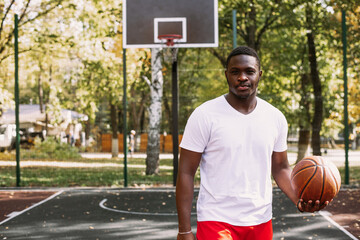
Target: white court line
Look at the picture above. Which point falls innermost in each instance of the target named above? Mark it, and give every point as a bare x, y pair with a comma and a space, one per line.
327, 215
101, 204
33, 206
144, 190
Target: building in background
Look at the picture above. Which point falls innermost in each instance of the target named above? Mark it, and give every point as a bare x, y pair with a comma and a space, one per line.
64, 124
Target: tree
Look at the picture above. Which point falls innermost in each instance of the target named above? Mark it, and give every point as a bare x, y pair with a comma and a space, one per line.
315, 79
139, 91
254, 19
6, 101
28, 12
352, 14
156, 92
280, 25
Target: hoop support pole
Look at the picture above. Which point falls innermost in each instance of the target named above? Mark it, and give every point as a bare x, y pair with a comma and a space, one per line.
175, 114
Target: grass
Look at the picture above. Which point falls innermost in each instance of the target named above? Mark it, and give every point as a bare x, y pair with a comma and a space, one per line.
51, 176
89, 176
84, 177
354, 175
25, 156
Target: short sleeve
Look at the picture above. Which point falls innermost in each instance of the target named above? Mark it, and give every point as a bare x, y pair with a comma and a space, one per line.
281, 140
197, 132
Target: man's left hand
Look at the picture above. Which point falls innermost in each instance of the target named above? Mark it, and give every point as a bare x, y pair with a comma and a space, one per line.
311, 206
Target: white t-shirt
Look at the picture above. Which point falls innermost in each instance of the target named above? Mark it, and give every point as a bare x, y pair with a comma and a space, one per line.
235, 168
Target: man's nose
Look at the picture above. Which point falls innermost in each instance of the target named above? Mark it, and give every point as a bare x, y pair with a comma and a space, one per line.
242, 77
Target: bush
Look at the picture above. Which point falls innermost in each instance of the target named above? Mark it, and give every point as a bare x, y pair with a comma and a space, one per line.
51, 148
6, 156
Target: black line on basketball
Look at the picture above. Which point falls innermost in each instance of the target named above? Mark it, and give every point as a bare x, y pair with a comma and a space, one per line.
302, 191
301, 170
307, 166
310, 159
323, 181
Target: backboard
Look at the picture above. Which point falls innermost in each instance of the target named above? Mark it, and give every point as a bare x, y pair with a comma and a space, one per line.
195, 20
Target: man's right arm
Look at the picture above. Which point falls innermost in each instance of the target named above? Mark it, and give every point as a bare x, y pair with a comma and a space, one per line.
188, 164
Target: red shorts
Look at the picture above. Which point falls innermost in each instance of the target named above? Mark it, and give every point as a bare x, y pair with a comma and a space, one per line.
210, 230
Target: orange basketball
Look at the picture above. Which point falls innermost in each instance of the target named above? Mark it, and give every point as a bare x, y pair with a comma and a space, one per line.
314, 178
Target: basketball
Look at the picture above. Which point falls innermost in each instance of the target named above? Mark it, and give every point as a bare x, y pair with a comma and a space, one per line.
314, 178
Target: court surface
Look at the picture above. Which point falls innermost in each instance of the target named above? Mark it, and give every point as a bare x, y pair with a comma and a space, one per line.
142, 214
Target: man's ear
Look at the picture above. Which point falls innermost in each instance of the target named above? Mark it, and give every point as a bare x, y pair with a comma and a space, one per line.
260, 74
227, 80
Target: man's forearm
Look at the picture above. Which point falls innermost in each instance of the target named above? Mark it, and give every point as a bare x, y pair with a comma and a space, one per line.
283, 181
184, 198
281, 172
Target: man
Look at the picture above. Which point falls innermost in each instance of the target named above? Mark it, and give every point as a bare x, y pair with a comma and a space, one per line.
132, 142
238, 140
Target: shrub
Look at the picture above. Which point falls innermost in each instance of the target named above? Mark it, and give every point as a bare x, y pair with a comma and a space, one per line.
53, 149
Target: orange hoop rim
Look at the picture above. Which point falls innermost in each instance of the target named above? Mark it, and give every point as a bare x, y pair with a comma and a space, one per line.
169, 38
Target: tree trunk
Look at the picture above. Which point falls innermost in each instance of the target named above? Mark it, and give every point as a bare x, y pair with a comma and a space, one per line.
40, 92
41, 100
114, 128
142, 122
316, 83
318, 108
167, 109
156, 92
304, 118
87, 134
251, 29
303, 143
47, 102
137, 108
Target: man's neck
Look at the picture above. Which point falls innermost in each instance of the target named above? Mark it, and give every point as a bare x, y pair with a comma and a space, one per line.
242, 105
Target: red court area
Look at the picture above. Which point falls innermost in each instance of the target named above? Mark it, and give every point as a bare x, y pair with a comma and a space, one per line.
16, 201
345, 210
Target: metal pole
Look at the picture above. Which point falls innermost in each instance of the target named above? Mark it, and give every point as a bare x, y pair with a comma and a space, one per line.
16, 43
346, 121
234, 28
175, 111
125, 113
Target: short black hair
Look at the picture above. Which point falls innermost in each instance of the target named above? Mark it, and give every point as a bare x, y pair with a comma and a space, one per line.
243, 50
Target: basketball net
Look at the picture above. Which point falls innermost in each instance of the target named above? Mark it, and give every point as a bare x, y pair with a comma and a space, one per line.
169, 51
170, 54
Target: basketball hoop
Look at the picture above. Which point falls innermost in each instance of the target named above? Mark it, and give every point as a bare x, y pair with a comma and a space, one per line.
169, 38
171, 52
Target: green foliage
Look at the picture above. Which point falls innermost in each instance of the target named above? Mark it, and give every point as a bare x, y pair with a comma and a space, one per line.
89, 177
51, 149
74, 52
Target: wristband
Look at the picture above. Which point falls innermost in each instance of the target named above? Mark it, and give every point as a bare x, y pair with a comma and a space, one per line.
183, 233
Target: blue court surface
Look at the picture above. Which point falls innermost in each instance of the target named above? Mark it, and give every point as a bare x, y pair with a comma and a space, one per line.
142, 214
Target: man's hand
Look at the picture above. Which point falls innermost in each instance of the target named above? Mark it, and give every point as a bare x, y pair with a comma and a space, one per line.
311, 206
189, 236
